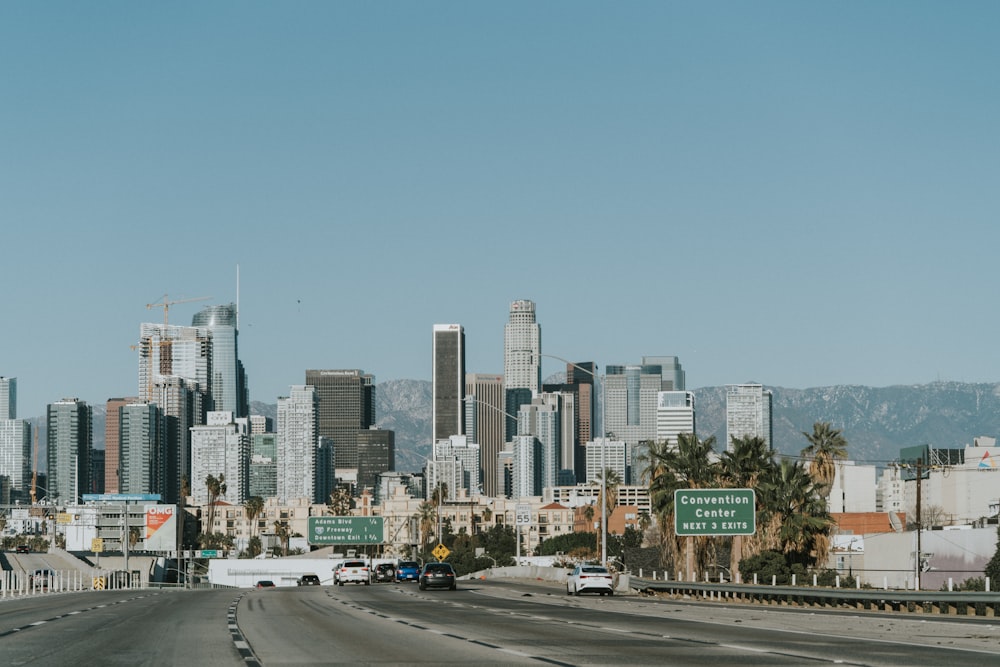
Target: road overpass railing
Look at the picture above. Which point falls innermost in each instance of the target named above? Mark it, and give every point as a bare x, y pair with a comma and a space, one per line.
971, 603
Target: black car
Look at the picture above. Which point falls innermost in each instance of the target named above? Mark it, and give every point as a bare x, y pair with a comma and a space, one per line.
384, 572
437, 575
23, 549
308, 580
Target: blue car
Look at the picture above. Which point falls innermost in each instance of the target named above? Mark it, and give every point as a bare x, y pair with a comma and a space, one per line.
408, 570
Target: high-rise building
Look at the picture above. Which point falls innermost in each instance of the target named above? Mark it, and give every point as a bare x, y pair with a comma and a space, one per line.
8, 398
522, 347
522, 359
261, 424
112, 441
580, 384
549, 417
166, 350
674, 415
69, 441
748, 413
346, 407
263, 465
182, 406
607, 454
467, 474
15, 447
630, 395
298, 440
228, 385
485, 422
526, 475
141, 459
672, 374
448, 382
376, 456
221, 447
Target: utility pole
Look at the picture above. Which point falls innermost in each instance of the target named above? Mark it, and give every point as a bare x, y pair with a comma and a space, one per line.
920, 474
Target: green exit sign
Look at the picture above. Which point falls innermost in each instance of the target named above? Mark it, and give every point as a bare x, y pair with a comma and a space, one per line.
715, 512
346, 530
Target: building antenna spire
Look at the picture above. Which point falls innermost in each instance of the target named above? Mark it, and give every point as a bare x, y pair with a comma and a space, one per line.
237, 296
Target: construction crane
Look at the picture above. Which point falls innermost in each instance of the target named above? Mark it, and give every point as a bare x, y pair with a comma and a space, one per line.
166, 357
165, 305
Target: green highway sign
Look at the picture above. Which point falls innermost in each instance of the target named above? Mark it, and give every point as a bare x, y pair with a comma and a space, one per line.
209, 553
346, 530
715, 512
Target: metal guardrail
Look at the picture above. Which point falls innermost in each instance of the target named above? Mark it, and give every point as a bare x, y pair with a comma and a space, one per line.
970, 603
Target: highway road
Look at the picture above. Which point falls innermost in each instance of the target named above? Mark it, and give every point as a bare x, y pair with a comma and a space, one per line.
484, 622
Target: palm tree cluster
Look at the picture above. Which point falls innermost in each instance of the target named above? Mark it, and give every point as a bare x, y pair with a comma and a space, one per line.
791, 509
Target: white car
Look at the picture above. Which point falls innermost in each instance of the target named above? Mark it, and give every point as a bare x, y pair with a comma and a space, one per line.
353, 571
585, 578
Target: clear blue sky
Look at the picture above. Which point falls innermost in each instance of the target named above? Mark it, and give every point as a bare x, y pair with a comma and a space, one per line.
796, 193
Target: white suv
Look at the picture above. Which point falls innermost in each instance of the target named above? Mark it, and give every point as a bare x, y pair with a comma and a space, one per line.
353, 571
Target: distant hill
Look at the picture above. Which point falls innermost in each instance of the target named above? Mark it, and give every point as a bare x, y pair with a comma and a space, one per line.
877, 422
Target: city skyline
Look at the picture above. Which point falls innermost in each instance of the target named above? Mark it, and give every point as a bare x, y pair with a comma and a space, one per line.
840, 158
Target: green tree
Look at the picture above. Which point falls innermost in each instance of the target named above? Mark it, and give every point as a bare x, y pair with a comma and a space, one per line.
254, 508
741, 467
569, 543
688, 466
284, 534
499, 542
826, 447
794, 520
216, 487
426, 516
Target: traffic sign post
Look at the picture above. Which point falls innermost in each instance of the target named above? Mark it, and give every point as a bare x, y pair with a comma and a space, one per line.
441, 552
715, 512
324, 530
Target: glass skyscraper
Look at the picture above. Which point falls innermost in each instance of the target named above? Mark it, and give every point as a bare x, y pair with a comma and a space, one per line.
448, 382
228, 379
69, 441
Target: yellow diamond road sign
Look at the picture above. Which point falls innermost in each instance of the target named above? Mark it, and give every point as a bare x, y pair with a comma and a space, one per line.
441, 552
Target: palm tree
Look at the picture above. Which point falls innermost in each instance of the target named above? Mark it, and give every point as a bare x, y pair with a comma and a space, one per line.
740, 468
284, 533
688, 466
794, 519
254, 507
826, 447
426, 515
216, 488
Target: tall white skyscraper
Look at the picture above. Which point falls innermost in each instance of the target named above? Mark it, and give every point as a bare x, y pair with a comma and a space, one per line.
526, 476
609, 454
228, 384
674, 415
15, 447
221, 447
748, 413
298, 439
522, 348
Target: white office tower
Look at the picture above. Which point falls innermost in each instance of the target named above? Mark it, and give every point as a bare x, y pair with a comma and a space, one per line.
607, 454
630, 394
298, 439
15, 448
221, 447
447, 472
522, 348
674, 415
526, 476
467, 454
165, 350
748, 413
141, 460
8, 398
549, 417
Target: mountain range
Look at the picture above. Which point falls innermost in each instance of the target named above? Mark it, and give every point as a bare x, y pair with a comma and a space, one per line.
877, 422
